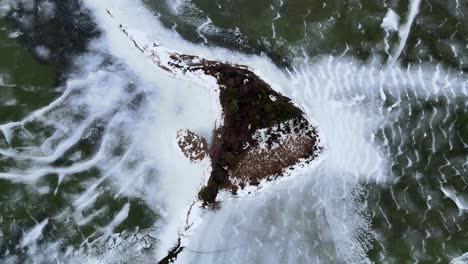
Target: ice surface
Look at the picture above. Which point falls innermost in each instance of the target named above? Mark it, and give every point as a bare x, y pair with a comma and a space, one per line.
317, 217
345, 99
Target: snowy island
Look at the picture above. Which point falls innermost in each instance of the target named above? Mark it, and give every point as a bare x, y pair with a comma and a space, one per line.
260, 135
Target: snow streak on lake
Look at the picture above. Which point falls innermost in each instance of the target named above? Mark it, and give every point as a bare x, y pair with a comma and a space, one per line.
90, 170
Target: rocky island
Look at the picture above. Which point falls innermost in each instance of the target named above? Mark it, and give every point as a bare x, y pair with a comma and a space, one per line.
262, 135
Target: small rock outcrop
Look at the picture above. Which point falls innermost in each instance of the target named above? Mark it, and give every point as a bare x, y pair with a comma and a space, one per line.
194, 147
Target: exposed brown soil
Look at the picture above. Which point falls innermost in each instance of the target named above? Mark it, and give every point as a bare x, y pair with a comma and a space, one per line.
193, 146
258, 164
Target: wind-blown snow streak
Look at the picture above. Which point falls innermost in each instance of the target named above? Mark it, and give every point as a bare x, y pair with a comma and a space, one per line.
390, 23
460, 201
35, 233
404, 30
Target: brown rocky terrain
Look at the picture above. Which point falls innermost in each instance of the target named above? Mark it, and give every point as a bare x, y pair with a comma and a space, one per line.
269, 162
239, 155
192, 146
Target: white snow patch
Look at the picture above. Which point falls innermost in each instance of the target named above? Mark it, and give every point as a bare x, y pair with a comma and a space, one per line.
391, 21
33, 234
14, 34
459, 199
184, 101
118, 219
42, 52
404, 30
463, 259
